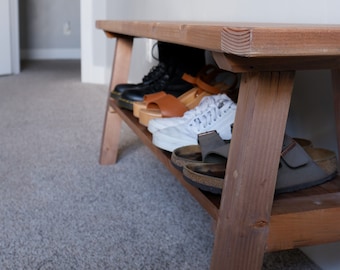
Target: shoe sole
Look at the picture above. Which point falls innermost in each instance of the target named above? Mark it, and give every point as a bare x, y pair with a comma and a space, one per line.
202, 181
169, 143
115, 95
186, 155
126, 104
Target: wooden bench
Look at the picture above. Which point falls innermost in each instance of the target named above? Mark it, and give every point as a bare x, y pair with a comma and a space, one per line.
249, 220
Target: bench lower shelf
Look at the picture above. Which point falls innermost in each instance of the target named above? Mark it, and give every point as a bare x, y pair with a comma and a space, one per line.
307, 217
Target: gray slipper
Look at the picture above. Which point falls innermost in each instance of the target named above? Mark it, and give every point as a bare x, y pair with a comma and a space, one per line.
211, 148
300, 168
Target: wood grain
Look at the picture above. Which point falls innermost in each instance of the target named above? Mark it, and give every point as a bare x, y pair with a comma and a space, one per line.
112, 121
251, 171
241, 39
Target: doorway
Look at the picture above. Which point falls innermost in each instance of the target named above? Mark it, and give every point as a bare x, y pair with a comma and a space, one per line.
49, 30
9, 46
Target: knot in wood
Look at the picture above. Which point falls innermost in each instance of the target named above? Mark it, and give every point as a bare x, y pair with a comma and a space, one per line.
260, 224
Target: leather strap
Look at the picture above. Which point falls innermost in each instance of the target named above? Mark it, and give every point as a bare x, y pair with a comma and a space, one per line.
154, 96
169, 106
206, 80
293, 154
213, 148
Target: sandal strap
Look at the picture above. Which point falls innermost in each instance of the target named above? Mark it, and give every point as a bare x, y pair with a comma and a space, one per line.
207, 87
206, 77
298, 170
293, 154
169, 106
201, 84
213, 148
153, 96
207, 73
188, 78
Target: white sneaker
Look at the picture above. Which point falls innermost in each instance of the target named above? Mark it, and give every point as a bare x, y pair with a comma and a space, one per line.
218, 116
156, 124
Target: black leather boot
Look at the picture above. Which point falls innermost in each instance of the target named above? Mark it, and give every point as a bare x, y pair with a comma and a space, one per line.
154, 74
171, 57
171, 82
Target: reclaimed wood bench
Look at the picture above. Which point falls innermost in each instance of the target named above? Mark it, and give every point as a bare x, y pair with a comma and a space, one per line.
250, 220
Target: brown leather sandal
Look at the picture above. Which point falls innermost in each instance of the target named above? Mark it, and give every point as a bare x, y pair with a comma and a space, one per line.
205, 75
213, 83
138, 105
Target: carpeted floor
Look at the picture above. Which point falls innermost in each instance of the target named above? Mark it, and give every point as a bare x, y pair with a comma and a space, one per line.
59, 209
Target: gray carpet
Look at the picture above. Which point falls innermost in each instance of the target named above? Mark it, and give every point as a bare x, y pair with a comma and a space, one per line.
59, 209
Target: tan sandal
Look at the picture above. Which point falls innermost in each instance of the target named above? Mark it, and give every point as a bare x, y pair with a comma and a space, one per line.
193, 96
163, 107
138, 105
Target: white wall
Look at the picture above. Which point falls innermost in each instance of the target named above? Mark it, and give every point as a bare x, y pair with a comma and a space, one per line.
49, 29
9, 29
15, 42
94, 45
311, 114
301, 11
97, 50
5, 46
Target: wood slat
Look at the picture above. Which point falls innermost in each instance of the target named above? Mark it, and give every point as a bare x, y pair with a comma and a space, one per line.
199, 35
241, 39
239, 64
304, 221
248, 190
281, 40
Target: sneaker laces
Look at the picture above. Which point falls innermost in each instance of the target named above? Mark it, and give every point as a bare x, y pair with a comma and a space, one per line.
201, 107
204, 104
215, 111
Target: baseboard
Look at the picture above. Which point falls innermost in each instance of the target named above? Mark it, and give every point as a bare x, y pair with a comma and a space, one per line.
44, 54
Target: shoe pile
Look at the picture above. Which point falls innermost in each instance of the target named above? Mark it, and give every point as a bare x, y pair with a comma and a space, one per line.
155, 74
174, 60
190, 113
167, 78
210, 80
215, 112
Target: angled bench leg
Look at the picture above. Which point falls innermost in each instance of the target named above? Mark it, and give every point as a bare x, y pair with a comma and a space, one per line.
244, 214
112, 124
336, 97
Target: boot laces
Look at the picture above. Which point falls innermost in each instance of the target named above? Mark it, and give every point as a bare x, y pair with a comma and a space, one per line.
155, 72
160, 83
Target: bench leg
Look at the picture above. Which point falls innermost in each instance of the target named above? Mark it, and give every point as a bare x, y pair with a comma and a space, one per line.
112, 122
247, 197
336, 97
